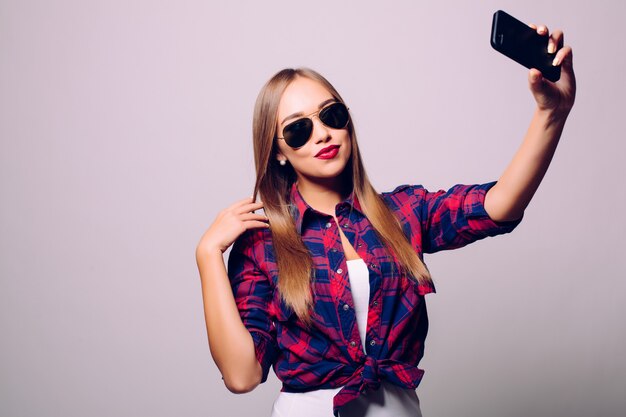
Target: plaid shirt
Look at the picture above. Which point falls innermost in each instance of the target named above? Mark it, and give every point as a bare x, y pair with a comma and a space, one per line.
329, 354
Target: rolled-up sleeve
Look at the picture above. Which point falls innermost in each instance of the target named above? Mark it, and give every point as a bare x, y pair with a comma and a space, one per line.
454, 218
253, 293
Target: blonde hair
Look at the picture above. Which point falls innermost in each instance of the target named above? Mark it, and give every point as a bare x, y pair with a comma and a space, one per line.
273, 183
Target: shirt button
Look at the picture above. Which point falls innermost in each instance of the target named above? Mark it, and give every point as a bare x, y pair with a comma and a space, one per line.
328, 225
353, 343
339, 271
333, 250
359, 245
345, 225
373, 266
375, 303
372, 342
346, 307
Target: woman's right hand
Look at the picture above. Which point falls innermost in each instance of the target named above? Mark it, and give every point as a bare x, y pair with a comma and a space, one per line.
229, 224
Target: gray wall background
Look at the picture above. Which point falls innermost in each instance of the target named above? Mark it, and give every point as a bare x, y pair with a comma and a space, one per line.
125, 128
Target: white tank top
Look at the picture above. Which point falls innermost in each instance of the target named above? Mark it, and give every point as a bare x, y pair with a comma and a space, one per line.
388, 401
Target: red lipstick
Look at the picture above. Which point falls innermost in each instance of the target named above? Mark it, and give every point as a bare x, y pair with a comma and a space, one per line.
328, 152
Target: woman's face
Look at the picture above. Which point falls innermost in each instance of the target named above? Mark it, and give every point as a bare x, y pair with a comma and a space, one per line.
327, 152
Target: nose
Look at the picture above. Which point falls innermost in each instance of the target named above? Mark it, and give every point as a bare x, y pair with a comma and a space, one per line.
321, 132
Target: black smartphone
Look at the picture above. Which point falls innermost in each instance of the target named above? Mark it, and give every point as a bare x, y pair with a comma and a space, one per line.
523, 44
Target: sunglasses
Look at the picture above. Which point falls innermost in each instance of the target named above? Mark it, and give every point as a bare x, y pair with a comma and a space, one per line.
298, 132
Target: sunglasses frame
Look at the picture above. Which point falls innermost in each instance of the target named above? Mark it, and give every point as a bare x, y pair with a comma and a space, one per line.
310, 117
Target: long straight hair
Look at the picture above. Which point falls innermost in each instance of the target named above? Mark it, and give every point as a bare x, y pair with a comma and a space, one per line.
273, 183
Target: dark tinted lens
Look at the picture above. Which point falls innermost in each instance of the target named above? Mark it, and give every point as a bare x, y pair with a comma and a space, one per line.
336, 116
297, 133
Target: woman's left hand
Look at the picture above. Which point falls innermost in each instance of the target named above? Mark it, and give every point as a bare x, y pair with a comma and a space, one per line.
556, 98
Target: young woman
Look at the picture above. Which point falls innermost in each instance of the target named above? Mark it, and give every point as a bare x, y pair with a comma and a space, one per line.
328, 286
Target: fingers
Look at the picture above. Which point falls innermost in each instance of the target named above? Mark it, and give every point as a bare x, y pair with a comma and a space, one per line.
563, 56
555, 39
555, 42
256, 225
535, 79
534, 75
246, 205
248, 208
245, 211
542, 30
253, 216
254, 221
246, 200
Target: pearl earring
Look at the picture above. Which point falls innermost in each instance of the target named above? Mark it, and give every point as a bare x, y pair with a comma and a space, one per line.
283, 162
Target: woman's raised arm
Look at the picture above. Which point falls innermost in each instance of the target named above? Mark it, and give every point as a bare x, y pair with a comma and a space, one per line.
231, 344
508, 199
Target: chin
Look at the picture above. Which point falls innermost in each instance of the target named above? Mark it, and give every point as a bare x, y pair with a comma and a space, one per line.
336, 172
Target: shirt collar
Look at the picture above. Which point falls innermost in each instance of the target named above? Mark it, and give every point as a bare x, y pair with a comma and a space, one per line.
300, 208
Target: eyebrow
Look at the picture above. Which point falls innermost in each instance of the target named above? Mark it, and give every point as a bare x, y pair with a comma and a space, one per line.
321, 105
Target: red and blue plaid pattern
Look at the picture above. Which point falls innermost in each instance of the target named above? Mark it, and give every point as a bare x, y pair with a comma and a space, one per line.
329, 353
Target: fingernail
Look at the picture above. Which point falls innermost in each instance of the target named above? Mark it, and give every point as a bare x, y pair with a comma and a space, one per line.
556, 62
551, 48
